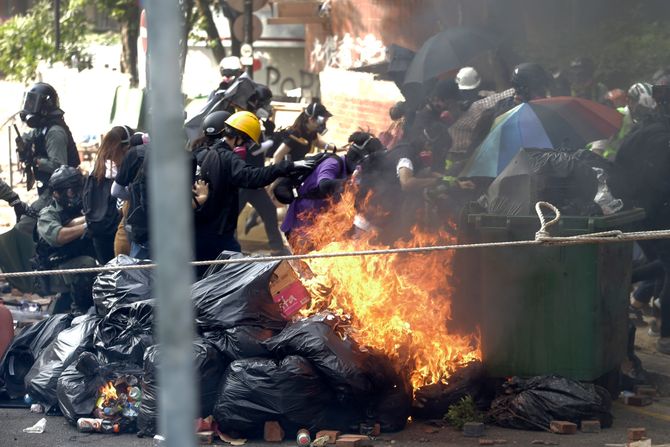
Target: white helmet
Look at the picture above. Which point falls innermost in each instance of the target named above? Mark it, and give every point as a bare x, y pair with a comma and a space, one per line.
468, 78
230, 63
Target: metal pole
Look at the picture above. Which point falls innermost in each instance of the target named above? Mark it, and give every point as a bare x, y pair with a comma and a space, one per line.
57, 24
11, 173
171, 225
249, 31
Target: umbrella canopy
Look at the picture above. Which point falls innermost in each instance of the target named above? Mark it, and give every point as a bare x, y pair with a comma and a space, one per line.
551, 123
448, 50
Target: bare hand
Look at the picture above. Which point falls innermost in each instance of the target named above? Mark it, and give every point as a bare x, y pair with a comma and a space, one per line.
201, 188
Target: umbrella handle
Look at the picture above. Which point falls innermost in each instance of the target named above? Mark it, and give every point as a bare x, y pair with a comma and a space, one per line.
544, 229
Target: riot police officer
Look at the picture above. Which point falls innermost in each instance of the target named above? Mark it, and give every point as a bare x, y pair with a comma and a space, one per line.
46, 147
61, 241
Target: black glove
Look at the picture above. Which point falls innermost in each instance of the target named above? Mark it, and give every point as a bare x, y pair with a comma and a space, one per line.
300, 167
270, 127
21, 208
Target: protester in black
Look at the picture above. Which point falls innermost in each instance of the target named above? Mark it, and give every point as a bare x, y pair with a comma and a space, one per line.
306, 133
226, 172
132, 172
640, 178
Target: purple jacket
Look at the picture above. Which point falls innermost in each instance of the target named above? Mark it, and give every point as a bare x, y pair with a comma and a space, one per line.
329, 169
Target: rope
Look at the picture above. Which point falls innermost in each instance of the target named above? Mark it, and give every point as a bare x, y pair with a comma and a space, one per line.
542, 238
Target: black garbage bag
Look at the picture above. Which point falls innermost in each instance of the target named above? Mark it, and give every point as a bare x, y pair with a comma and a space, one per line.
126, 332
241, 342
78, 385
236, 295
42, 379
562, 177
289, 391
25, 348
147, 419
391, 404
532, 404
347, 368
209, 367
121, 286
433, 401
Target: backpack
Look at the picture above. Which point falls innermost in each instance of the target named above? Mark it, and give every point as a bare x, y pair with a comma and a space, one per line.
286, 190
99, 207
137, 220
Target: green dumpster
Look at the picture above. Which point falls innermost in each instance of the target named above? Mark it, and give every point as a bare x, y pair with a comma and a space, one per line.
550, 309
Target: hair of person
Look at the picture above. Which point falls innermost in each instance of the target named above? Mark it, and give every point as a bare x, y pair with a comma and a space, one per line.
398, 110
202, 140
114, 145
299, 126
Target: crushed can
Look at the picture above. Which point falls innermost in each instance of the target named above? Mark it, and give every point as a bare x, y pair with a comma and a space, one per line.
303, 437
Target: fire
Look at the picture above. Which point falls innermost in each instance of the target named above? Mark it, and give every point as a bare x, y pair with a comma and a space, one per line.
108, 392
399, 303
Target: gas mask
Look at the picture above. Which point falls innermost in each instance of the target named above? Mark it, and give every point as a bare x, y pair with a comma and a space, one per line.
321, 125
32, 120
69, 199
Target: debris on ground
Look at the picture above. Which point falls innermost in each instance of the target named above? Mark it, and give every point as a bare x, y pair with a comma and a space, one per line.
37, 428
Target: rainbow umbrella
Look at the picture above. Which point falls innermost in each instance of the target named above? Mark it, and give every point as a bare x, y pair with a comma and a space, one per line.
551, 123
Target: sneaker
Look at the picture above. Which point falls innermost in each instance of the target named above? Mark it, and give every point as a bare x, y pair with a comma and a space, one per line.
663, 345
654, 328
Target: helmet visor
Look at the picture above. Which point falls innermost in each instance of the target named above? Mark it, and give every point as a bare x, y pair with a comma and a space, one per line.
32, 102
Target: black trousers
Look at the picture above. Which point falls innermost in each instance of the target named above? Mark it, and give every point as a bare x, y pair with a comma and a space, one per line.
259, 199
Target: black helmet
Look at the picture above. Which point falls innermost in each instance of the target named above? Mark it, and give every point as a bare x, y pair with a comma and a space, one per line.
38, 102
530, 79
41, 99
263, 94
214, 123
64, 179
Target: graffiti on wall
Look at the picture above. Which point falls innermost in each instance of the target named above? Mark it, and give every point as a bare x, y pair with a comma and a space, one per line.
308, 83
346, 52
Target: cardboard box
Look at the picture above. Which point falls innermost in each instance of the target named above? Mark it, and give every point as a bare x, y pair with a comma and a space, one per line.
287, 290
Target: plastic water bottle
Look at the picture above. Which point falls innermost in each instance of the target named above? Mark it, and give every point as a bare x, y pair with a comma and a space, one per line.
27, 399
303, 437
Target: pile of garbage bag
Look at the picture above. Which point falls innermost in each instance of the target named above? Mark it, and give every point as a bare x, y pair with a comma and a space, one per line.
531, 404
253, 363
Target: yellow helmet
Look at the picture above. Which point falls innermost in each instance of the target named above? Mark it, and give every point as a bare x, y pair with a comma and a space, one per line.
246, 123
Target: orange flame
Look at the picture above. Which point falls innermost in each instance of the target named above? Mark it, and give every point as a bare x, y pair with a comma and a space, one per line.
108, 392
399, 303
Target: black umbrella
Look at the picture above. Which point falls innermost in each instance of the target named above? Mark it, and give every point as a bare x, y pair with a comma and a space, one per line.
448, 50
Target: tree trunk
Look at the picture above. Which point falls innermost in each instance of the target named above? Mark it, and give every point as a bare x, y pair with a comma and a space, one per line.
212, 32
231, 15
130, 32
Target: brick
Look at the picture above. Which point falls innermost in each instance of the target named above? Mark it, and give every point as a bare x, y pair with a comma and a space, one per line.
590, 426
487, 442
563, 427
637, 434
272, 432
205, 437
473, 429
351, 440
332, 435
645, 390
637, 401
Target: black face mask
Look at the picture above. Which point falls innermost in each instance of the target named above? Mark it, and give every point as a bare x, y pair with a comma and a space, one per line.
32, 120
